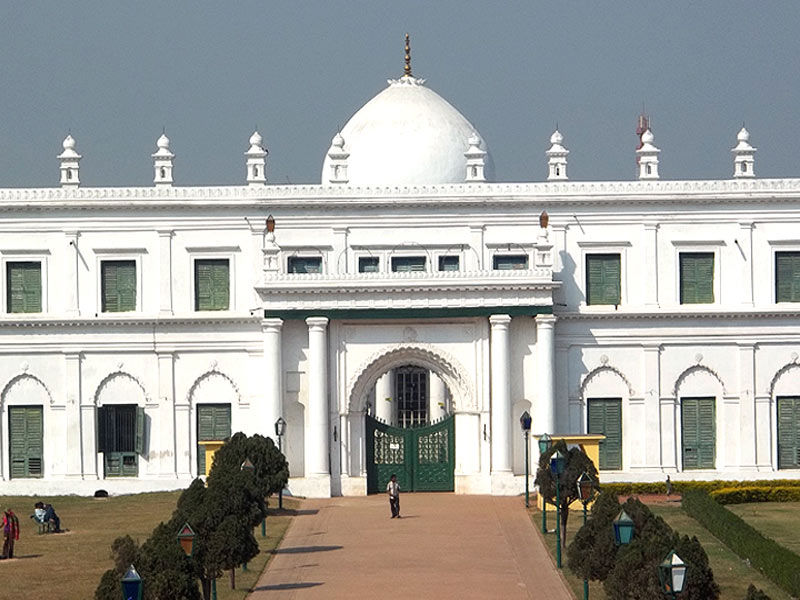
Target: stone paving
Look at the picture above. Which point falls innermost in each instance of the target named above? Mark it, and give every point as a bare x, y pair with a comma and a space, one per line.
444, 546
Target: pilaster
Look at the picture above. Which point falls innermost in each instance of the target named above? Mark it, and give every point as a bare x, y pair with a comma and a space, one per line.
747, 438
166, 412
72, 289
650, 279
545, 410
744, 244
385, 405
165, 271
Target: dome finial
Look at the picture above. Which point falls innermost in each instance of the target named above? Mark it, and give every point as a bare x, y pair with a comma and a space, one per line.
407, 68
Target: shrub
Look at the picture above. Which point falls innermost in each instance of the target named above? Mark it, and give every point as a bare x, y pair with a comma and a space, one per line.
679, 487
755, 594
776, 562
744, 495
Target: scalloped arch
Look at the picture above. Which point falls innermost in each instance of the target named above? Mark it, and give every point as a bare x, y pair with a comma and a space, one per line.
780, 373
694, 369
121, 375
597, 370
206, 377
22, 379
423, 355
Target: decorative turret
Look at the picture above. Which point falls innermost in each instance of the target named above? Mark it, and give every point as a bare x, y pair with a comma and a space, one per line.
337, 161
744, 156
256, 161
162, 162
647, 157
70, 160
556, 157
476, 159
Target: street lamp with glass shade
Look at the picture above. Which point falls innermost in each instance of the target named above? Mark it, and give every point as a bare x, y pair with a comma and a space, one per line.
280, 431
623, 529
131, 585
585, 494
558, 463
672, 575
248, 466
186, 539
545, 443
525, 423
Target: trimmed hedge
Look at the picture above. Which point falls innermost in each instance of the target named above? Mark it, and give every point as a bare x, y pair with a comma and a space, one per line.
756, 494
679, 487
779, 564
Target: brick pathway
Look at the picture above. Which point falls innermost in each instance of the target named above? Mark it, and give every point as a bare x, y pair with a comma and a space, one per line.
445, 546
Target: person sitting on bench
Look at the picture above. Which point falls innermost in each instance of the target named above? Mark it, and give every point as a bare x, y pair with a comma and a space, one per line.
45, 513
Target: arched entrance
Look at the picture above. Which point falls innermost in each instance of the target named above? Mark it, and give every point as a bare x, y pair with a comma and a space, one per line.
418, 445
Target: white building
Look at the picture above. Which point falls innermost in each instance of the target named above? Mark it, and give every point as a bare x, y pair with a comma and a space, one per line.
141, 324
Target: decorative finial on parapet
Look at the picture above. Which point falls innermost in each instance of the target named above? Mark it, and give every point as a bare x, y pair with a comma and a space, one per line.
407, 68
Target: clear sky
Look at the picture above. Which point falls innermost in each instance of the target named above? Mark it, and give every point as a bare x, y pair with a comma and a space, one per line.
114, 73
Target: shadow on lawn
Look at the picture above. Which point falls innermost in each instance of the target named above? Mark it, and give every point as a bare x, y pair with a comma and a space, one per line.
23, 557
296, 512
302, 549
286, 586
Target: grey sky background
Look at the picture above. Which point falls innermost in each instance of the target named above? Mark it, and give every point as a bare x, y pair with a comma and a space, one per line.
115, 73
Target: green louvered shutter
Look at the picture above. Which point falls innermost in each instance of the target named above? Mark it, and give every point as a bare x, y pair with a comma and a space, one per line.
605, 417
26, 436
603, 273
211, 284
140, 422
787, 276
24, 287
788, 432
118, 281
698, 423
697, 277
213, 424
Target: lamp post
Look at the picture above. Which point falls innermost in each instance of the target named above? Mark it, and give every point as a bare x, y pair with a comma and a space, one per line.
525, 423
623, 529
280, 430
585, 493
248, 466
544, 445
557, 463
672, 575
131, 585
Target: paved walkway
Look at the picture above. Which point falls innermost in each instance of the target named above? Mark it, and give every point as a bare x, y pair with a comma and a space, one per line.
445, 546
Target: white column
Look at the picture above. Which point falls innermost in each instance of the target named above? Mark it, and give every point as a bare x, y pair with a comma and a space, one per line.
744, 247
166, 412
747, 438
165, 268
652, 406
317, 434
340, 249
437, 397
474, 259
385, 405
80, 434
545, 413
271, 377
71, 290
650, 279
501, 393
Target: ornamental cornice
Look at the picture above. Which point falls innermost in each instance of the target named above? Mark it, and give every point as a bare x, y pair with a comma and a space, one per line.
444, 281
110, 198
662, 315
75, 322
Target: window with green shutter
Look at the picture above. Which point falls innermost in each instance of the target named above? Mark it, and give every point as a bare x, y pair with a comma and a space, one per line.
368, 264
510, 262
787, 276
118, 285
25, 431
24, 287
121, 438
449, 263
789, 432
405, 264
304, 264
698, 433
213, 425
211, 284
603, 272
697, 277
605, 418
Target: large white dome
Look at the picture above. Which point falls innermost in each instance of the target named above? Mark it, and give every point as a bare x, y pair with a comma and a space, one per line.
407, 134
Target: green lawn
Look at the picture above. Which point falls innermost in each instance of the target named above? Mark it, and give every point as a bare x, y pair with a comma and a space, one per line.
777, 520
731, 573
73, 562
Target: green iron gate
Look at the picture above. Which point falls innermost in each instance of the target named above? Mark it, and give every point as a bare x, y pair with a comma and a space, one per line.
423, 458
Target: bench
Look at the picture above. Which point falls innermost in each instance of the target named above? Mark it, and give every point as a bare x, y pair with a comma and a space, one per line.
44, 526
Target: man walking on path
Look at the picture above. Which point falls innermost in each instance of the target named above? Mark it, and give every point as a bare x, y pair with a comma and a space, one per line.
10, 533
393, 488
